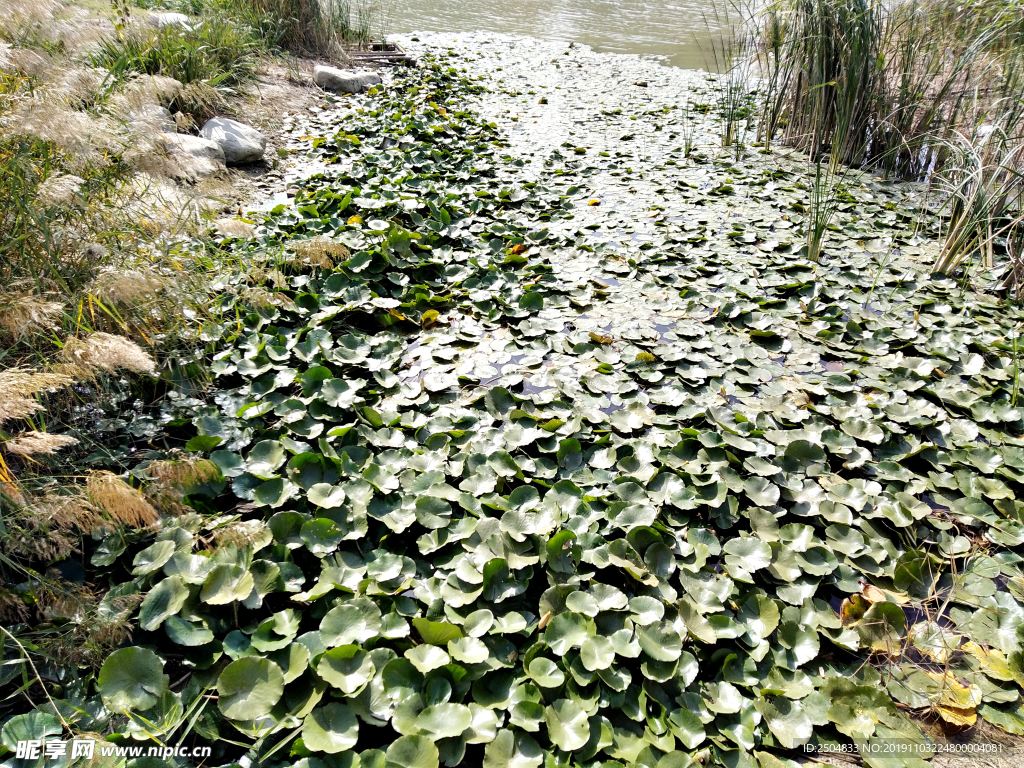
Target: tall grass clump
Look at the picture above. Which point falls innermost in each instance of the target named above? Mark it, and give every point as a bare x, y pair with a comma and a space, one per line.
310, 26
325, 28
982, 188
726, 53
214, 51
884, 84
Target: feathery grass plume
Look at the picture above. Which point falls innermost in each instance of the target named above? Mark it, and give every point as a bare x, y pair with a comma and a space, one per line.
183, 473
22, 315
18, 388
167, 500
28, 544
81, 87
105, 352
143, 92
68, 512
60, 189
198, 101
10, 491
13, 609
120, 501
32, 443
126, 286
87, 140
261, 298
319, 252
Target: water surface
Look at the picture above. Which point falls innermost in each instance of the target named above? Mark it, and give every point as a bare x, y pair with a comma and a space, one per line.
676, 30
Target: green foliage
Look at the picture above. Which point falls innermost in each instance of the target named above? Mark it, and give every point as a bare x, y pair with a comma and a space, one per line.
415, 558
215, 51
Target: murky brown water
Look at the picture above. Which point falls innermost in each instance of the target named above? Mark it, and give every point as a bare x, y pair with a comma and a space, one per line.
676, 30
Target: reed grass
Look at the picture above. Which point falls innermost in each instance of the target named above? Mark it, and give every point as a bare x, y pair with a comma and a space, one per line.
982, 185
215, 51
725, 53
324, 28
898, 78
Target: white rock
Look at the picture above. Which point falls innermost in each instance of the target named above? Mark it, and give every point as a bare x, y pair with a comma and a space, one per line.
196, 157
161, 20
343, 80
241, 143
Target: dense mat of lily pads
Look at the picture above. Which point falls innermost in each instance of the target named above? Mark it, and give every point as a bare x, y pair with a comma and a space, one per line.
494, 493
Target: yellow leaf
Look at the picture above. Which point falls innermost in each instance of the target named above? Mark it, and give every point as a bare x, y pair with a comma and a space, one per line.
594, 202
962, 718
954, 694
355, 220
853, 609
994, 663
872, 594
598, 339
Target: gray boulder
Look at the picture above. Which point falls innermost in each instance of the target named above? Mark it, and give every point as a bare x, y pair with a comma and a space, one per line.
161, 20
196, 157
240, 143
343, 80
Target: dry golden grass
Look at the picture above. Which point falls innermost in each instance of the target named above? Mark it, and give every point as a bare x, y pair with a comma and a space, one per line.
23, 315
69, 512
183, 473
319, 252
122, 503
33, 443
19, 387
243, 533
107, 352
234, 228
129, 286
261, 298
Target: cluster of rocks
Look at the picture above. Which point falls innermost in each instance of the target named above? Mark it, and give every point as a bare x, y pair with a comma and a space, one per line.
221, 143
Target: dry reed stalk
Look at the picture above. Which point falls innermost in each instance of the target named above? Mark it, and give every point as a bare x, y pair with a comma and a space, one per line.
120, 501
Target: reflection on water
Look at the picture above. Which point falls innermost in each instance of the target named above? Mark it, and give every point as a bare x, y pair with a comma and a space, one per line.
675, 29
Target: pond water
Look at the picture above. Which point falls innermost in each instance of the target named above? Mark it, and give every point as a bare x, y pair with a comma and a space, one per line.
677, 30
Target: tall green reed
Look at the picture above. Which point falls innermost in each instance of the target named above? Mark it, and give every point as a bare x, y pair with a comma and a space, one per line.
982, 188
899, 78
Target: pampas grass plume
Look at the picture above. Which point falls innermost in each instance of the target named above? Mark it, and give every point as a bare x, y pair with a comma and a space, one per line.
105, 352
32, 443
120, 501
